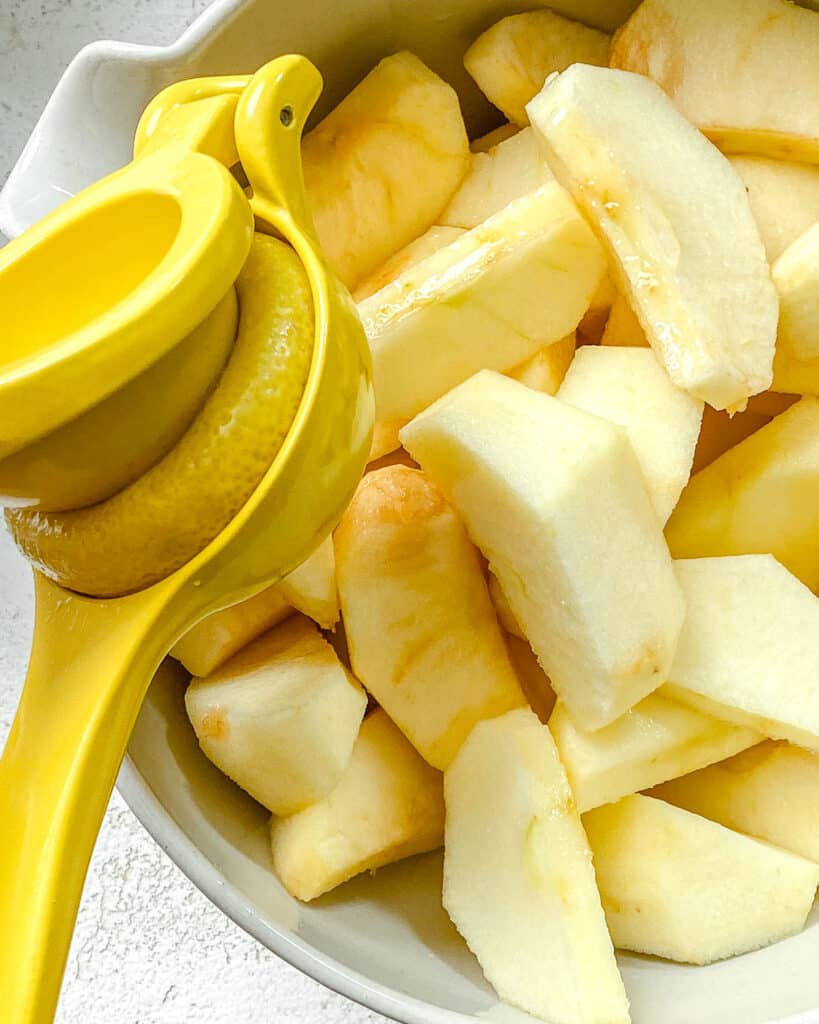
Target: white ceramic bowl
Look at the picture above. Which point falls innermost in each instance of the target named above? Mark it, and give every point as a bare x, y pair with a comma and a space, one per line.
383, 941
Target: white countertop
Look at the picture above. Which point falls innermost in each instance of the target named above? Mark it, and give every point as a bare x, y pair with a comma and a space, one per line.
149, 947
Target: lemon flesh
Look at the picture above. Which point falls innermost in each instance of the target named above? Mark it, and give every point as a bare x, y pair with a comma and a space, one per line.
159, 522
97, 454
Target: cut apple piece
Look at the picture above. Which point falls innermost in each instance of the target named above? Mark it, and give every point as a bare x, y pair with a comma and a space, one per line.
218, 637
514, 168
728, 65
623, 329
594, 593
380, 168
518, 878
512, 59
518, 282
795, 376
749, 649
431, 241
534, 682
676, 220
281, 717
494, 138
761, 496
784, 198
676, 885
421, 630
629, 387
770, 791
545, 370
311, 588
388, 805
657, 740
796, 276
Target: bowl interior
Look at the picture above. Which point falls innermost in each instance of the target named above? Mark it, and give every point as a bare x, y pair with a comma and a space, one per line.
386, 940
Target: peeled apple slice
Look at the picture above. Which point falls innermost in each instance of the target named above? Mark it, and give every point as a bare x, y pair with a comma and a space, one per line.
595, 594
388, 805
760, 496
682, 887
545, 370
311, 588
796, 276
749, 649
512, 169
770, 791
518, 878
658, 739
629, 387
381, 167
209, 644
431, 241
170, 513
281, 717
421, 630
516, 283
745, 73
675, 218
511, 60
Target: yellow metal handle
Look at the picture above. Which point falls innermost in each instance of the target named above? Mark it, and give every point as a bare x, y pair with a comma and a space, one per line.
90, 666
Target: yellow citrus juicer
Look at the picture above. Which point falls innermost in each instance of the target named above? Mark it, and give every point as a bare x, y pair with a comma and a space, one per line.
92, 659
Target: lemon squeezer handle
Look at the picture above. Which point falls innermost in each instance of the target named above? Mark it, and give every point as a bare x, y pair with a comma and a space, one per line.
90, 667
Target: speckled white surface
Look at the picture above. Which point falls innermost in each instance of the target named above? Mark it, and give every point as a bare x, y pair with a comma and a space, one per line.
149, 948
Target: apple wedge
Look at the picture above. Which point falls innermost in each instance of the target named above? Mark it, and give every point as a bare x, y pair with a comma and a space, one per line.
380, 168
511, 60
760, 496
594, 593
214, 640
281, 717
421, 630
514, 168
518, 282
629, 387
545, 370
749, 649
431, 241
744, 73
657, 740
676, 885
388, 805
311, 588
675, 218
784, 198
484, 143
518, 878
770, 791
796, 276
622, 328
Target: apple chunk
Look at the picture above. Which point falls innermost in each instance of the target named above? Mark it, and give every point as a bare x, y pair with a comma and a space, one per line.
675, 218
388, 805
770, 791
518, 878
380, 168
514, 168
760, 496
744, 73
796, 276
431, 241
511, 60
545, 370
657, 740
421, 630
682, 887
749, 649
281, 717
784, 198
519, 281
629, 387
311, 588
594, 593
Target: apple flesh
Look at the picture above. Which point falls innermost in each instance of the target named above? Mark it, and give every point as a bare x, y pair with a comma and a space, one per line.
676, 221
